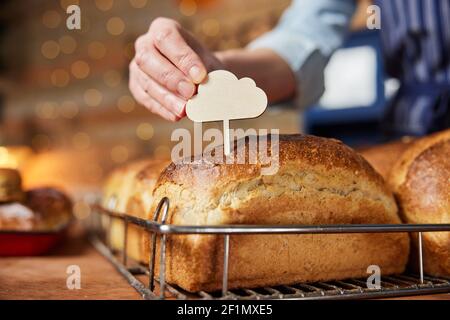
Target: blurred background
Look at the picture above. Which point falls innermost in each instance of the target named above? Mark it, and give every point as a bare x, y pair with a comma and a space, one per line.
66, 114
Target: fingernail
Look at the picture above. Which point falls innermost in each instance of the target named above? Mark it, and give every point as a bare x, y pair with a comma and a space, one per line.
186, 89
197, 75
176, 103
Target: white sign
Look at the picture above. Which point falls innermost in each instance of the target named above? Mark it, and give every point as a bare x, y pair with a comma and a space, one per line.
224, 97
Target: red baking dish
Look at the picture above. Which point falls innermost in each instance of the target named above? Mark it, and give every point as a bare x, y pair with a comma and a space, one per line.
29, 243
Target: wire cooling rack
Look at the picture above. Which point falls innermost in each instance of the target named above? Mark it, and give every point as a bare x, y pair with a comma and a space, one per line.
137, 275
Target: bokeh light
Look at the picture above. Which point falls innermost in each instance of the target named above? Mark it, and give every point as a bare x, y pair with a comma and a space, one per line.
119, 154
188, 7
67, 44
138, 3
211, 27
104, 5
112, 78
68, 109
51, 19
50, 49
115, 26
46, 110
126, 104
80, 69
145, 131
60, 78
93, 97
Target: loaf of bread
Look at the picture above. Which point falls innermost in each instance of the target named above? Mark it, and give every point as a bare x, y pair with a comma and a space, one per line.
420, 180
319, 181
129, 190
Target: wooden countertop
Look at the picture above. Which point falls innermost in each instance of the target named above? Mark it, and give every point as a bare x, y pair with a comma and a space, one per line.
45, 277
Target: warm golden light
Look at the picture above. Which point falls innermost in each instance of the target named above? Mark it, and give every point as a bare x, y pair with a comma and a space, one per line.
80, 69
104, 5
93, 97
138, 3
50, 49
145, 131
188, 7
67, 44
6, 159
115, 26
46, 110
96, 50
126, 104
119, 154
211, 27
60, 78
112, 78
51, 19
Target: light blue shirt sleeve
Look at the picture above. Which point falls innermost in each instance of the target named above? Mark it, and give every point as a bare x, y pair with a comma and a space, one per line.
307, 34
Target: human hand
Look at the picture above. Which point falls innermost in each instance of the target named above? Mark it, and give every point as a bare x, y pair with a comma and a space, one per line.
168, 64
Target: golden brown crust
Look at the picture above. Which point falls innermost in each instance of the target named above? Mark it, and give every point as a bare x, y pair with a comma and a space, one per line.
320, 181
401, 167
308, 150
421, 182
10, 186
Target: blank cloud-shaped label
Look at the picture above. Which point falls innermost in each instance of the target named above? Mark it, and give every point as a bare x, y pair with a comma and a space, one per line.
222, 97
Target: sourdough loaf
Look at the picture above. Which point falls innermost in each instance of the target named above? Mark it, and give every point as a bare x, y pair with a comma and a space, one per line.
420, 180
319, 181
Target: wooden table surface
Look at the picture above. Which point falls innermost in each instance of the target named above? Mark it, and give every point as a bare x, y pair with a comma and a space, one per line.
45, 277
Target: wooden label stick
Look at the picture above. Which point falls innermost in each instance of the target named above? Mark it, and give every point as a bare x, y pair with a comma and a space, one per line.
226, 137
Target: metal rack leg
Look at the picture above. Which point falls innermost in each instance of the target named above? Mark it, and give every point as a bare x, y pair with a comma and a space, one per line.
420, 257
125, 241
226, 254
162, 267
151, 264
108, 232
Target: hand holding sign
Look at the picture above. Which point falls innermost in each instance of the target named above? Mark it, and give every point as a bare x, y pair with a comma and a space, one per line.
224, 97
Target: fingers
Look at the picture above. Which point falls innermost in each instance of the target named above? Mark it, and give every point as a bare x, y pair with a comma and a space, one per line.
167, 99
165, 73
146, 100
170, 42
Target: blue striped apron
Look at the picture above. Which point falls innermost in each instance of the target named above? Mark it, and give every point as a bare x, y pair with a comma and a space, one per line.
416, 43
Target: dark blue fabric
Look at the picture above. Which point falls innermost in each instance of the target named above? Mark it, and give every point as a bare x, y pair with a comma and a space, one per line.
416, 43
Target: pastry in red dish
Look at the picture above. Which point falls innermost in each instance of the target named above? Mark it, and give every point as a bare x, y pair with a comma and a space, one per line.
32, 222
